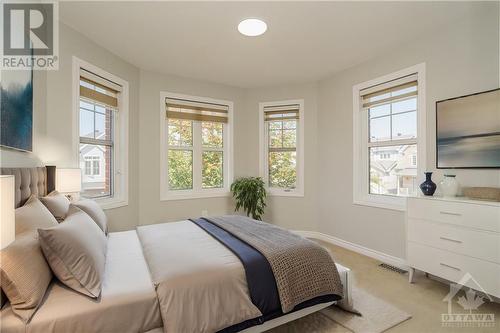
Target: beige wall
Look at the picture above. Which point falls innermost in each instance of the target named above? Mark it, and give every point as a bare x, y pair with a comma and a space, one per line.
152, 210
299, 213
460, 59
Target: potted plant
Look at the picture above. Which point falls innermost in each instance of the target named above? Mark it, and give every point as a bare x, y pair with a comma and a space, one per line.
250, 194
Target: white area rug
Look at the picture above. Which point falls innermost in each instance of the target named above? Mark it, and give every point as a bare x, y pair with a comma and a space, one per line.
376, 314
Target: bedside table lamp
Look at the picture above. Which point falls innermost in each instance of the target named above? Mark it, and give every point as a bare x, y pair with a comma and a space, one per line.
68, 181
7, 211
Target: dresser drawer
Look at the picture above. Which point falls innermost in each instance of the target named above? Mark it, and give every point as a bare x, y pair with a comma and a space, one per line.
454, 267
485, 217
479, 244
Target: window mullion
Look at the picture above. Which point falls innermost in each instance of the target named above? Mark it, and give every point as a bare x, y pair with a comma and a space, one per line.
197, 156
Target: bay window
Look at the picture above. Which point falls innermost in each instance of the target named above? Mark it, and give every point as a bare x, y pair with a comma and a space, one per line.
196, 154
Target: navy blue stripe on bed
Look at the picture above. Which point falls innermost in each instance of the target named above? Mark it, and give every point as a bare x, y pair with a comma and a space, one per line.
260, 278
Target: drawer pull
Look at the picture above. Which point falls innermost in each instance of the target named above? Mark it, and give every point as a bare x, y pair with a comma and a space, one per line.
449, 266
450, 213
451, 240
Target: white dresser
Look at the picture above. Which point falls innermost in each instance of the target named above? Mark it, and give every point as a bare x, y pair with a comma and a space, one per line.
449, 238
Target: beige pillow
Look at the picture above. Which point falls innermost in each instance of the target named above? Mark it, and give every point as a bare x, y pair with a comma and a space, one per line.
33, 215
95, 212
76, 252
57, 204
24, 275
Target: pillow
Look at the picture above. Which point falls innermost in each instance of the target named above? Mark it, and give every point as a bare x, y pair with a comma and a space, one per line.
76, 252
57, 204
24, 275
33, 215
95, 212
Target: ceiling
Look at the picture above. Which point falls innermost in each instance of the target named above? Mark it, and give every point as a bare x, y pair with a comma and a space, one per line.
305, 41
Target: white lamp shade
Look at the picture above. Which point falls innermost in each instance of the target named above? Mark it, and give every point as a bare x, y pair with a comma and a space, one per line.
7, 211
68, 180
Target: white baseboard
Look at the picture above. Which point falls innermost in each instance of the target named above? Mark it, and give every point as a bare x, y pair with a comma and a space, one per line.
383, 257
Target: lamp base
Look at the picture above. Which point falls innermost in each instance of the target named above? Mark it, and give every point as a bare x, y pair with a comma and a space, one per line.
70, 197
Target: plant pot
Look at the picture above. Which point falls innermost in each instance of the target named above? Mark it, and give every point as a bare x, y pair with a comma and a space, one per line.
428, 187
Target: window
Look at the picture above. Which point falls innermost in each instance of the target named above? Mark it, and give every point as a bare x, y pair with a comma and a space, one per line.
92, 165
95, 168
196, 141
384, 156
281, 147
389, 134
88, 167
102, 123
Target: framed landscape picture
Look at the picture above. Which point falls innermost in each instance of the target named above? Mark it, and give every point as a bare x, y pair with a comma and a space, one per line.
468, 131
16, 109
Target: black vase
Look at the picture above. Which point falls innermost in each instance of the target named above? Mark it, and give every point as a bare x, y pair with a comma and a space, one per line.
428, 187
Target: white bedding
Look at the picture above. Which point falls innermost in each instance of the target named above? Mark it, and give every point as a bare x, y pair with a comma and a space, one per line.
201, 284
128, 302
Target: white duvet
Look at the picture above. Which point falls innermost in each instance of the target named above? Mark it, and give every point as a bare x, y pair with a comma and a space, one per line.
201, 285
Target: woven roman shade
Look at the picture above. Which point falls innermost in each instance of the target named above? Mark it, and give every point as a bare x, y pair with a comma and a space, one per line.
98, 90
281, 112
192, 110
390, 92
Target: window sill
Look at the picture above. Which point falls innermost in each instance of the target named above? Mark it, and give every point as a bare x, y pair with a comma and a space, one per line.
382, 201
273, 192
187, 195
111, 203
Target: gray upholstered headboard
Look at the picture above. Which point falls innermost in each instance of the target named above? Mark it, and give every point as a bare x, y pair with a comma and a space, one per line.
38, 181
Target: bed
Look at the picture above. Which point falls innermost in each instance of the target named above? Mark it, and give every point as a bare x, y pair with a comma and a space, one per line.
131, 298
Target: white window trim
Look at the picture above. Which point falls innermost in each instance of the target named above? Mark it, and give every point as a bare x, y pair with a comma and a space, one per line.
121, 131
165, 193
263, 150
361, 195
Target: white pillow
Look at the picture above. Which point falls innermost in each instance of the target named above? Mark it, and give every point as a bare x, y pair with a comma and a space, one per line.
33, 215
24, 274
57, 204
95, 212
76, 252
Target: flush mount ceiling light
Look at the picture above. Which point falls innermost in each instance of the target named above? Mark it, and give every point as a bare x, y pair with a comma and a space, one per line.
252, 27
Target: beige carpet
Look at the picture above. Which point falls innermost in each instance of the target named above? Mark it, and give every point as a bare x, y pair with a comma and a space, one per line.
377, 316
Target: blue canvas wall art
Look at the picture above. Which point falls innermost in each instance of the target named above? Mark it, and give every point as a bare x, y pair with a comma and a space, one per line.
16, 109
468, 131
